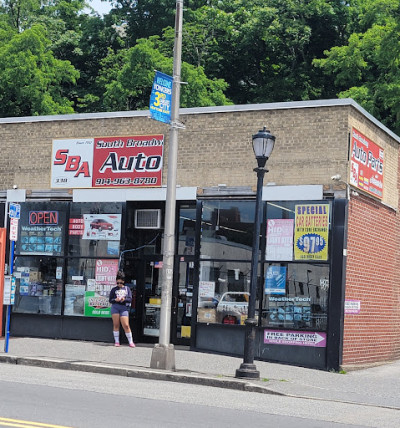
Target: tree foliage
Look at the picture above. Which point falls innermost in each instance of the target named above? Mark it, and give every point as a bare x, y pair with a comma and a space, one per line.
242, 51
128, 76
32, 80
366, 68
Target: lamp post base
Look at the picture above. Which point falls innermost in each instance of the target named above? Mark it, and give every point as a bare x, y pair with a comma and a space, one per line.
247, 371
163, 357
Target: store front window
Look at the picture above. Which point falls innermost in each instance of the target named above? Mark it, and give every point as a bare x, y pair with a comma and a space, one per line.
88, 286
38, 263
224, 290
293, 287
94, 235
227, 229
296, 279
186, 231
81, 253
296, 296
38, 285
94, 229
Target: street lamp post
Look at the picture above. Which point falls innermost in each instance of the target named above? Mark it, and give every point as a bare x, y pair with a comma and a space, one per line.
263, 144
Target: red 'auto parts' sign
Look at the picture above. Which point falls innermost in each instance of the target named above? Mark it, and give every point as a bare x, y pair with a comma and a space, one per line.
366, 166
134, 161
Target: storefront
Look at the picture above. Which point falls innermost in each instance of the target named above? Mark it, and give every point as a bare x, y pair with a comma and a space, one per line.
104, 211
66, 259
68, 253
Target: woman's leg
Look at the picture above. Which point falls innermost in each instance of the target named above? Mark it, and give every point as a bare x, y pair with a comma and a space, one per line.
116, 321
127, 330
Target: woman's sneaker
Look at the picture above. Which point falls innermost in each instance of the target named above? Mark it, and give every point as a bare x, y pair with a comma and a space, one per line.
132, 345
116, 344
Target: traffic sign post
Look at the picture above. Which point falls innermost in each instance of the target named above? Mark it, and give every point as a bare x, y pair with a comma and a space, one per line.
14, 213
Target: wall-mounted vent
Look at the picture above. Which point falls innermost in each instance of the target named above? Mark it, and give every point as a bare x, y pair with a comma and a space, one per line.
147, 219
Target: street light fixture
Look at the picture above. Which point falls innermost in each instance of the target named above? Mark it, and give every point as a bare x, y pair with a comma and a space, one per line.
263, 144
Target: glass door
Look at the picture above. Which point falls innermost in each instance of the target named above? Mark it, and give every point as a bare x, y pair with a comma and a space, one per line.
182, 301
143, 278
152, 299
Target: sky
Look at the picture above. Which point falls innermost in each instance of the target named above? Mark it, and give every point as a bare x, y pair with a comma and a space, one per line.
99, 6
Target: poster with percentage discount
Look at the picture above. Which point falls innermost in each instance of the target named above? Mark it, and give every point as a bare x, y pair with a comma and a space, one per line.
311, 232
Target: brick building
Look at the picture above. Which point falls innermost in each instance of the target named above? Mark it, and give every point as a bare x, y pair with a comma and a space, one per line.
336, 308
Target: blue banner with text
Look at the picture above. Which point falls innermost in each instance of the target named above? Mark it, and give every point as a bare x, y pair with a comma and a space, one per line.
160, 98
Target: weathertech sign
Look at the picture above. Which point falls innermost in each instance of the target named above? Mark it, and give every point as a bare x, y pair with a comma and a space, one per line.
108, 162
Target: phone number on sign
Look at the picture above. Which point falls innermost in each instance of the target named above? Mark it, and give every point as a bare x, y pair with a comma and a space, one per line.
126, 181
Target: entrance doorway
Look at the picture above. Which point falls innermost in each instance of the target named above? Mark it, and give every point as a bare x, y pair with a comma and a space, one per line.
144, 279
182, 293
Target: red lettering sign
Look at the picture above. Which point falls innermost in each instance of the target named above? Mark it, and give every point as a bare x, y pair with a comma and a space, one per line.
47, 218
366, 166
128, 161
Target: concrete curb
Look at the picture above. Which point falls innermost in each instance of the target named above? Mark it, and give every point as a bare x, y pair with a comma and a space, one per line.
140, 373
168, 376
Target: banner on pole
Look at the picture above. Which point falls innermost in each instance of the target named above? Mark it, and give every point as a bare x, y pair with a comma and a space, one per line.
160, 98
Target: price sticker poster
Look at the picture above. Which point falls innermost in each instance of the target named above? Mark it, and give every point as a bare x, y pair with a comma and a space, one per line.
311, 232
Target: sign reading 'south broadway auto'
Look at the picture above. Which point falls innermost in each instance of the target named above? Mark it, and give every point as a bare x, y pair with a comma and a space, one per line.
107, 162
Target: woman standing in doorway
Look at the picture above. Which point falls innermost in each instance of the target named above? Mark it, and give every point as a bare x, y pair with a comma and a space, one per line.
120, 299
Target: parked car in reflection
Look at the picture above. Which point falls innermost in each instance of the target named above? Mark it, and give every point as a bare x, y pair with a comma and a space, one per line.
233, 307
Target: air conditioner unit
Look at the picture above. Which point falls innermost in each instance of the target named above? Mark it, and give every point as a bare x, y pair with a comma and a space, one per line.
148, 219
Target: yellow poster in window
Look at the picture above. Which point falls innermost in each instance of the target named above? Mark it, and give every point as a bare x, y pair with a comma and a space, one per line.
311, 232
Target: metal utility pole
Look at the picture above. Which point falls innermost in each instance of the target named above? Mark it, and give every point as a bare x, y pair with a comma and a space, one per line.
163, 355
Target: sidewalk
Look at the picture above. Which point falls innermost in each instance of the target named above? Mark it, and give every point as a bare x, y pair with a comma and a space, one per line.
377, 386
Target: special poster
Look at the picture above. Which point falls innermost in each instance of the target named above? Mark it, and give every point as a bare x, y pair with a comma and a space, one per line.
311, 232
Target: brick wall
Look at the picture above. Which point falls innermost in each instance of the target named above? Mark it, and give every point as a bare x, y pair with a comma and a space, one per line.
215, 148
372, 278
373, 268
311, 146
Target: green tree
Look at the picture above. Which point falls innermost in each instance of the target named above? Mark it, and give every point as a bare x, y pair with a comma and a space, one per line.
19, 13
127, 78
32, 81
144, 18
264, 48
367, 67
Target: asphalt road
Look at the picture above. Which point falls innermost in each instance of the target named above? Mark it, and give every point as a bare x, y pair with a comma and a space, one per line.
80, 400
